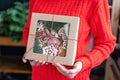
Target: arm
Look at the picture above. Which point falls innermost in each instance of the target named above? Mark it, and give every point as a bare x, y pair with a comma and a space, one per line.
104, 41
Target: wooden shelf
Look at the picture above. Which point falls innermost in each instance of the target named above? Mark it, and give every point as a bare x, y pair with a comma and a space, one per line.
14, 64
6, 41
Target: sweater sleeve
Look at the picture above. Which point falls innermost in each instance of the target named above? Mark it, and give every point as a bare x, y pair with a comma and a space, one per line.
104, 41
27, 25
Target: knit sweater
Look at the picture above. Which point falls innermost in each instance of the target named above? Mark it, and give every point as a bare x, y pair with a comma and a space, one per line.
94, 18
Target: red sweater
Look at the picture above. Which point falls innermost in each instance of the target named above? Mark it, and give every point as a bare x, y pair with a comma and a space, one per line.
94, 17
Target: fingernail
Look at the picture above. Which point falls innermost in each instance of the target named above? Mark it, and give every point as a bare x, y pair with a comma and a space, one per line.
46, 63
24, 61
36, 60
40, 61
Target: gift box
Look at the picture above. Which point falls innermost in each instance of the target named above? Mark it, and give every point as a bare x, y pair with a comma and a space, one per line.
53, 38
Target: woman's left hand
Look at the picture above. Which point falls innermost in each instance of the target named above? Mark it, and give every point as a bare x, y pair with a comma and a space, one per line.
70, 73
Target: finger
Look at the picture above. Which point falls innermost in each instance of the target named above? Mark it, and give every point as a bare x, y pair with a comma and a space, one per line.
46, 63
24, 60
43, 62
33, 62
77, 67
73, 71
37, 62
65, 71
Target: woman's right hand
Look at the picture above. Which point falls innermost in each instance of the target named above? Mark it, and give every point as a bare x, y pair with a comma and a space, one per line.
34, 62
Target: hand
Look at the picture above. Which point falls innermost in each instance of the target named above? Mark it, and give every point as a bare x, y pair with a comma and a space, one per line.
70, 73
34, 62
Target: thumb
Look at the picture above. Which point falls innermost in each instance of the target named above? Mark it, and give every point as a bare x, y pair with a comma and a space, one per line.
24, 59
77, 68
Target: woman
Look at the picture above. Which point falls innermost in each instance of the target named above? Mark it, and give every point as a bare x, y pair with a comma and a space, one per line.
94, 18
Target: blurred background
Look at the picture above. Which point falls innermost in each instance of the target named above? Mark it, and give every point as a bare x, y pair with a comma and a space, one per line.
13, 16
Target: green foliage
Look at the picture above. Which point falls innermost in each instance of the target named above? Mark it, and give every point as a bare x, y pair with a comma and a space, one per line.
37, 48
13, 20
54, 25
